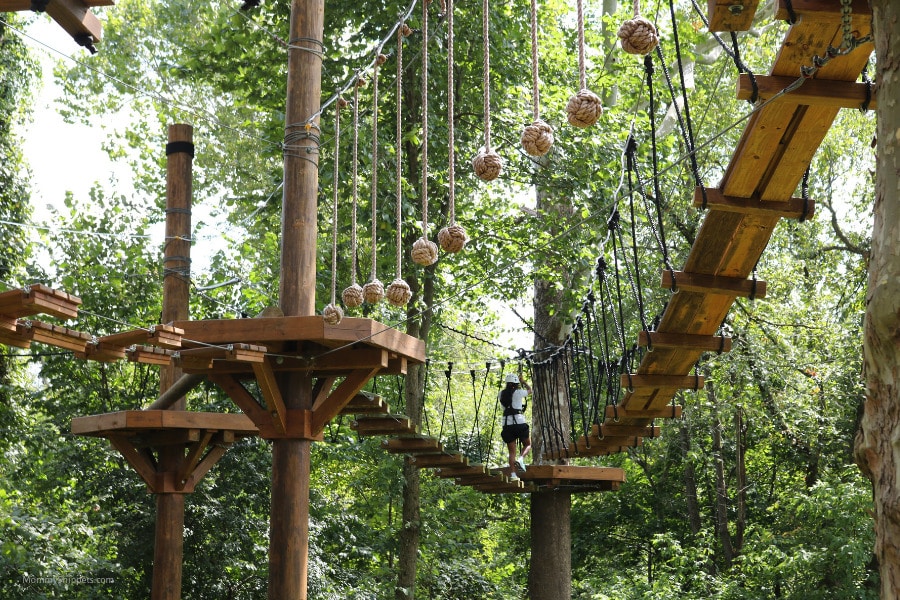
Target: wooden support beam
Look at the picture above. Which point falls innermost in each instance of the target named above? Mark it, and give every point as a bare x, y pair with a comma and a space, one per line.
714, 284
731, 15
571, 473
680, 382
168, 437
265, 378
244, 399
332, 405
828, 11
36, 299
322, 388
707, 343
141, 460
195, 451
813, 92
672, 411
73, 16
795, 208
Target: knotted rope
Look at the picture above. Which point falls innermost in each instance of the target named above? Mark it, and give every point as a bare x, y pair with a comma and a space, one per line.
584, 108
487, 164
453, 237
333, 313
424, 252
638, 35
398, 292
373, 291
353, 294
537, 138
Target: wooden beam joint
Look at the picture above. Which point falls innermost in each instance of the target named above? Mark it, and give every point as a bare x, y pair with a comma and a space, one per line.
713, 284
794, 208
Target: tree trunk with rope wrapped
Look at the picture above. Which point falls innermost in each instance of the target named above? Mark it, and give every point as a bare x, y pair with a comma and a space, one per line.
877, 452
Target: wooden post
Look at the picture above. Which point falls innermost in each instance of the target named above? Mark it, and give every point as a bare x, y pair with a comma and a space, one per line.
289, 517
169, 542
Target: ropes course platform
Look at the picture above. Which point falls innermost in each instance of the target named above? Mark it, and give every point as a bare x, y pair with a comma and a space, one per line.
810, 81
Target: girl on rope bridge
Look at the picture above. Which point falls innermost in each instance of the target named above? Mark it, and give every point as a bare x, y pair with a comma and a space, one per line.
515, 427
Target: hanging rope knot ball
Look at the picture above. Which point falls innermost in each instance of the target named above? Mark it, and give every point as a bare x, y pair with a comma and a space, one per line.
398, 293
638, 36
332, 314
380, 59
453, 238
424, 252
360, 82
352, 296
487, 165
537, 138
373, 292
342, 102
405, 30
584, 108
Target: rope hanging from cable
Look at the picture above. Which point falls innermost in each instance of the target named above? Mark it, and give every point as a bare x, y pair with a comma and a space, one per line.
537, 138
353, 294
424, 251
398, 292
453, 237
332, 313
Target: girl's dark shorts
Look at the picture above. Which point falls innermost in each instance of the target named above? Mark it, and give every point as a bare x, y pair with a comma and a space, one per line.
511, 433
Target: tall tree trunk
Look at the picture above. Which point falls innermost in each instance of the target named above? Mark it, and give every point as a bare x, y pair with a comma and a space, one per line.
418, 324
877, 452
550, 570
721, 506
690, 481
741, 492
551, 546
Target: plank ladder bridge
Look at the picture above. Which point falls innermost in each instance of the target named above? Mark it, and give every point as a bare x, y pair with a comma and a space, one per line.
756, 191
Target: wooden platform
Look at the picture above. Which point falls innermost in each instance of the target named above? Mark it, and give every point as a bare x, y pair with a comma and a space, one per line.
756, 191
140, 435
339, 359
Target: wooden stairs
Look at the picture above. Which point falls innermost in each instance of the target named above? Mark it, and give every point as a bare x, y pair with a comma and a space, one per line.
372, 417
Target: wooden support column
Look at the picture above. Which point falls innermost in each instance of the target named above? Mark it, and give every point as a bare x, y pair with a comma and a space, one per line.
289, 517
169, 543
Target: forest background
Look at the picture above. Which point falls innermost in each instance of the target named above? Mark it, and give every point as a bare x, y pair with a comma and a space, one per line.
753, 494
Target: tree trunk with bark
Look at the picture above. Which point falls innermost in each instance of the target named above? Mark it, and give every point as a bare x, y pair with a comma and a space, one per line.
877, 451
550, 572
